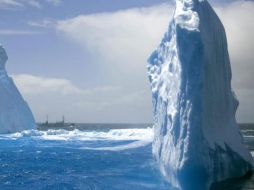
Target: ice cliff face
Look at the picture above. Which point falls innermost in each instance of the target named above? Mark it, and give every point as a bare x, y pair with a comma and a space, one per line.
15, 114
197, 140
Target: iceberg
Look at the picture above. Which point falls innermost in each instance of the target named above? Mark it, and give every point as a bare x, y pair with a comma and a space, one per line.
197, 141
15, 115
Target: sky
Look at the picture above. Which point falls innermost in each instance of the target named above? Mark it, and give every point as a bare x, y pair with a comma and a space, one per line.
87, 59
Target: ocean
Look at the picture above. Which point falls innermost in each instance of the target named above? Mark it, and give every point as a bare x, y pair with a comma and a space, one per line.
90, 157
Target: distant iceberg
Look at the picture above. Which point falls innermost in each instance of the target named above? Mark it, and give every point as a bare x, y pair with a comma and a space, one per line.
15, 114
197, 140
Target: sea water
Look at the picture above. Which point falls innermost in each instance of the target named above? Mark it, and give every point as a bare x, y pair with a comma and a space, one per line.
78, 158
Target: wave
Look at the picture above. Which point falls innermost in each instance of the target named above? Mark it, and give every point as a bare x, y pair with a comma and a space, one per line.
132, 145
247, 130
248, 136
96, 135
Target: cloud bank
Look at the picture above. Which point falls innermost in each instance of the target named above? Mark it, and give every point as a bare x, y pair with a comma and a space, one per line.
7, 4
58, 96
18, 32
120, 43
237, 18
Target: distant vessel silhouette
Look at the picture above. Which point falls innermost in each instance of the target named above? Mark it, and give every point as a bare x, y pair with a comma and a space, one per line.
57, 124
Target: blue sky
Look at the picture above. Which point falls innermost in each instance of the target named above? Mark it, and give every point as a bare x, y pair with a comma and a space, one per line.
87, 59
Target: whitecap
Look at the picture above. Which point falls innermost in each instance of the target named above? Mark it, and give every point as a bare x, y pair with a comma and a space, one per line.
132, 145
145, 134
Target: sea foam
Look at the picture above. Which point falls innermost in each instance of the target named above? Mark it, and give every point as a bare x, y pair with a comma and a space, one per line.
145, 134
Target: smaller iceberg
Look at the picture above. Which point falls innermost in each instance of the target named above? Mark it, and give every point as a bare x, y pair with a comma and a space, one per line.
15, 115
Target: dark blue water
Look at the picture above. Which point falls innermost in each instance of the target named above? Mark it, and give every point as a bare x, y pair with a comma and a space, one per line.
59, 160
33, 162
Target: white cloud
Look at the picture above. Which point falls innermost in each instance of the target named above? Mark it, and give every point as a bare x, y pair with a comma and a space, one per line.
238, 20
55, 2
19, 32
122, 41
58, 96
35, 85
45, 23
33, 3
5, 3
24, 3
19, 3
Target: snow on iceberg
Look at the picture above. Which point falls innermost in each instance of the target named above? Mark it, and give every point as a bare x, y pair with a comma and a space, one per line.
15, 114
197, 141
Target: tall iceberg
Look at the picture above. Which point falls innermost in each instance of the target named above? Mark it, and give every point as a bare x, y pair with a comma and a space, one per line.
197, 140
15, 114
